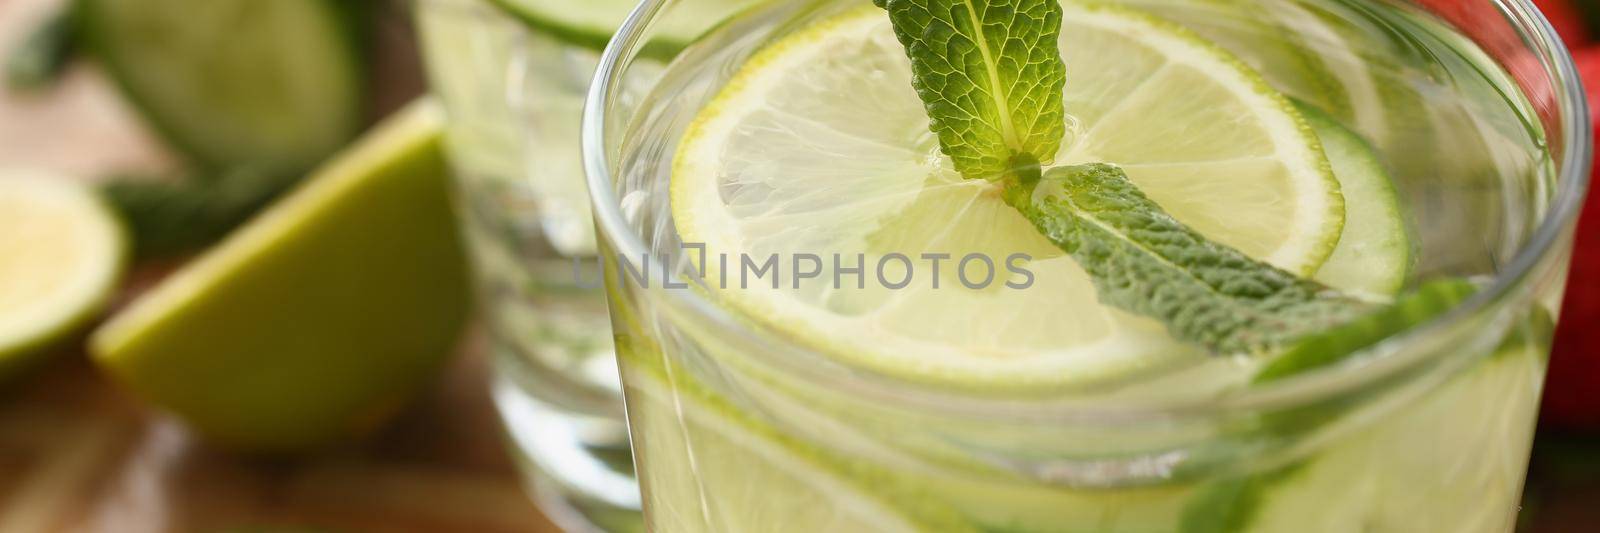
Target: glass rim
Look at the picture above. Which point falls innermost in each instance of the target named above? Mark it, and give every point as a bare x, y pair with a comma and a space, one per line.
1394, 355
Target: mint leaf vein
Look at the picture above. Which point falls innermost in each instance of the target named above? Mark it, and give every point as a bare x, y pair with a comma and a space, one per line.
1143, 260
991, 77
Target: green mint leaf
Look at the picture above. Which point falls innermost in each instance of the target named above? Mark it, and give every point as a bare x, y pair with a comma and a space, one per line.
170, 218
1144, 261
44, 55
991, 77
1231, 505
1338, 343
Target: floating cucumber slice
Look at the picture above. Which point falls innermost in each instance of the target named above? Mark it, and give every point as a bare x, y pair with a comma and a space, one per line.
274, 84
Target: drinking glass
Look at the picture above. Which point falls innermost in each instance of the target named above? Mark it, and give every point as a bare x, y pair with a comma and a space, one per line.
741, 425
513, 93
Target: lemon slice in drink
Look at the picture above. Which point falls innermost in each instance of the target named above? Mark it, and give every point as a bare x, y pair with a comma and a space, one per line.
61, 253
818, 145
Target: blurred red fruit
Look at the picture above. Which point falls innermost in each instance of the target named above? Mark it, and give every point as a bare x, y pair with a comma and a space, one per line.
1567, 19
1572, 395
1478, 20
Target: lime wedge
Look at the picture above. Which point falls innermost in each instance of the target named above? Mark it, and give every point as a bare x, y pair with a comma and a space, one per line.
275, 84
317, 318
61, 253
782, 162
590, 24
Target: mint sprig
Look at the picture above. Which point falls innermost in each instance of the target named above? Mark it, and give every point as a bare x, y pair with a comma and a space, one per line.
1143, 260
173, 218
42, 58
990, 75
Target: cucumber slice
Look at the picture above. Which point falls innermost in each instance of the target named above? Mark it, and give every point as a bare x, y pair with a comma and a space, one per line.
274, 84
591, 24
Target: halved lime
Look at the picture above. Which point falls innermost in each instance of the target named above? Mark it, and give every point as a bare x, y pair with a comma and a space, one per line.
273, 84
320, 316
786, 161
590, 24
61, 253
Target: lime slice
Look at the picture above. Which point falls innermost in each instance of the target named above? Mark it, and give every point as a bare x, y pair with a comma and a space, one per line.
1451, 461
317, 318
713, 469
783, 163
231, 82
1374, 253
1367, 86
590, 24
1254, 32
1351, 89
61, 252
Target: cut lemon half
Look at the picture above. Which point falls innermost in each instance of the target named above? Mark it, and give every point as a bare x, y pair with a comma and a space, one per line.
61, 252
819, 146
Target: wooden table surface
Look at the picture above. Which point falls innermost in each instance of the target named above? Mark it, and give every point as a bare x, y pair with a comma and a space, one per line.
77, 455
